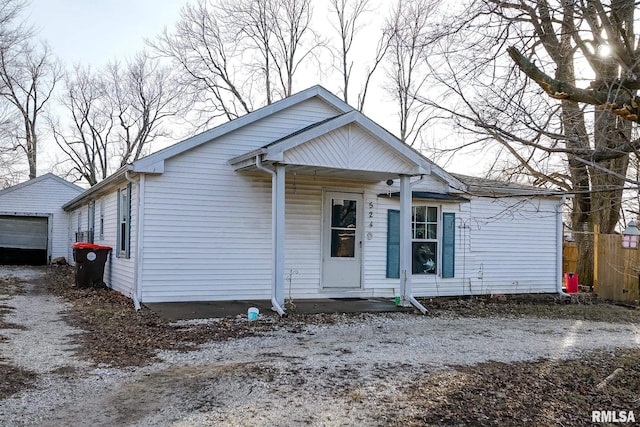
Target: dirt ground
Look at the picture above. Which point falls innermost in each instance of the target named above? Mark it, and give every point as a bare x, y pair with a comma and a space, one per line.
474, 361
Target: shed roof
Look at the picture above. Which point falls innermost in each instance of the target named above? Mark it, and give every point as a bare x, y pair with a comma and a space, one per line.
47, 176
488, 187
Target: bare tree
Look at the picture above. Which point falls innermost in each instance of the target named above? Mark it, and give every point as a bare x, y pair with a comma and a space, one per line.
114, 115
349, 15
28, 75
292, 26
252, 26
515, 52
408, 27
142, 94
233, 54
10, 158
86, 141
199, 48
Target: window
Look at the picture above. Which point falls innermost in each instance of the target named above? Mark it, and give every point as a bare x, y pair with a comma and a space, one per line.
102, 219
124, 222
428, 229
91, 220
424, 234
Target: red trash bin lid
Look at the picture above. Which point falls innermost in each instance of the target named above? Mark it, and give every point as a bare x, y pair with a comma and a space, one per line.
92, 246
84, 245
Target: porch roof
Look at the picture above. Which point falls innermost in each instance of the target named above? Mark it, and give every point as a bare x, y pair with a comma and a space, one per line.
347, 145
428, 195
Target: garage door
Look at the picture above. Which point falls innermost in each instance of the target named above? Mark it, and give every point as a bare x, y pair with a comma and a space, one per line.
23, 232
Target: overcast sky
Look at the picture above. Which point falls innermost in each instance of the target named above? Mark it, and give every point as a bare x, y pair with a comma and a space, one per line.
96, 31
93, 32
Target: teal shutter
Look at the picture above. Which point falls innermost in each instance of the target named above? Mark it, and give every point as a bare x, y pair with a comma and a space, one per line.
448, 244
393, 244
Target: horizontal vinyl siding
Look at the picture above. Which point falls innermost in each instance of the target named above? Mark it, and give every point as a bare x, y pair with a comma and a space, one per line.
304, 241
119, 272
44, 198
207, 228
348, 148
422, 284
514, 244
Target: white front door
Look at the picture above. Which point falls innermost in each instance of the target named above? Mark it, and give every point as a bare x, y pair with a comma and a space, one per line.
342, 240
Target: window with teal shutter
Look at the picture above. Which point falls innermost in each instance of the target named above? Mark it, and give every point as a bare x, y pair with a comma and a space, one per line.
448, 244
393, 244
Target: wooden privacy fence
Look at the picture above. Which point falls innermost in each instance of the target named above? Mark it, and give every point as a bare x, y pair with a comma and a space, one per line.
617, 273
618, 270
569, 257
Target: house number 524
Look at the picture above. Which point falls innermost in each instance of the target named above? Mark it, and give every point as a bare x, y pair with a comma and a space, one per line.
370, 215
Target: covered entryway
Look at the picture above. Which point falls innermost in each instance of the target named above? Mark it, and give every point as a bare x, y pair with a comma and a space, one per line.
24, 240
351, 147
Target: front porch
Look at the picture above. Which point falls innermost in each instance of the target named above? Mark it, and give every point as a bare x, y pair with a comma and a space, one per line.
347, 147
215, 309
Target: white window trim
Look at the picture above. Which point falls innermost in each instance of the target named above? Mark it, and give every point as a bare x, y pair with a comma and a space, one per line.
437, 240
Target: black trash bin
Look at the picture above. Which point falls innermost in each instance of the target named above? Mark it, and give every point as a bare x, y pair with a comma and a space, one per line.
90, 261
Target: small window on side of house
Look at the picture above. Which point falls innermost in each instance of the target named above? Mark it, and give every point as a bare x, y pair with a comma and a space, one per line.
91, 221
102, 219
124, 223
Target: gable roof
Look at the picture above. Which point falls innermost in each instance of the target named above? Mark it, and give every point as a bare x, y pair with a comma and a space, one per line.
153, 163
46, 176
274, 151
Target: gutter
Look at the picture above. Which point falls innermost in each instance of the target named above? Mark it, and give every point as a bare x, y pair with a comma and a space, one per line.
559, 238
274, 301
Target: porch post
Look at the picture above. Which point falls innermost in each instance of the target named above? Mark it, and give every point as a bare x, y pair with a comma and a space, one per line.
405, 240
278, 212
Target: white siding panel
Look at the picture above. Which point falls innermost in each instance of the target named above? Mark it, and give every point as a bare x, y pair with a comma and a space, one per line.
425, 284
119, 272
44, 198
514, 244
207, 228
348, 148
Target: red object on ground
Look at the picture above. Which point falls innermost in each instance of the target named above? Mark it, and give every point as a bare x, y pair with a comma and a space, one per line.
571, 282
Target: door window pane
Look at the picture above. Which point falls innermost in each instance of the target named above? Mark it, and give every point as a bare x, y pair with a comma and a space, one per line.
343, 243
343, 228
343, 213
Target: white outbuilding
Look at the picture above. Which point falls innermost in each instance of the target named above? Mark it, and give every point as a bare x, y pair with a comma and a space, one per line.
34, 229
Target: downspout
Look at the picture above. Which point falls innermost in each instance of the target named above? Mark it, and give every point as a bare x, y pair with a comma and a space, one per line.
136, 290
406, 197
276, 306
559, 239
412, 300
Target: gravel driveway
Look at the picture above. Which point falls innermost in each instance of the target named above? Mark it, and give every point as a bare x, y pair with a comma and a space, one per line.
339, 374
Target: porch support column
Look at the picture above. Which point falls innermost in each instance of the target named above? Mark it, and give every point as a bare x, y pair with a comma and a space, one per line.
405, 240
278, 213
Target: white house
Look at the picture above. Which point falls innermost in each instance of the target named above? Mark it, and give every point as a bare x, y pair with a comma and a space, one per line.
33, 226
308, 198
